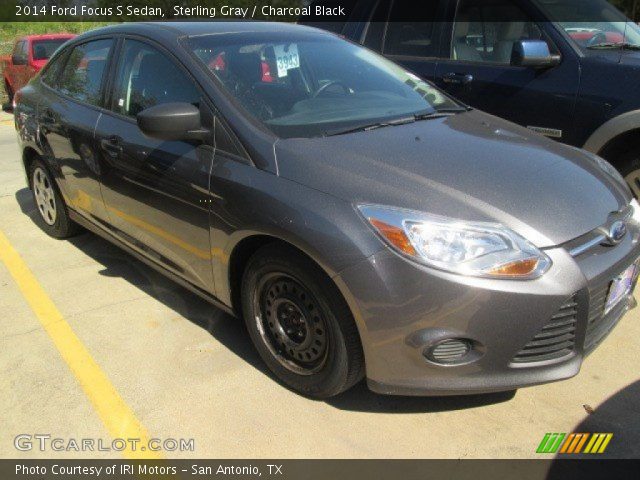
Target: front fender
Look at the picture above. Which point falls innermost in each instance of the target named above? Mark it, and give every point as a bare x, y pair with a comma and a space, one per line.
611, 129
248, 202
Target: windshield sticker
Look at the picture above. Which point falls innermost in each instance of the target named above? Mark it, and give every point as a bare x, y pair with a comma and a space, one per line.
286, 58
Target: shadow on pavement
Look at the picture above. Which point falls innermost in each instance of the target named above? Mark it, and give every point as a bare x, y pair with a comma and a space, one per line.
620, 415
361, 399
232, 333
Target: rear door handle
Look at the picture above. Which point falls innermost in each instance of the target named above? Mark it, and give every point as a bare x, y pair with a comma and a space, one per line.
112, 145
454, 78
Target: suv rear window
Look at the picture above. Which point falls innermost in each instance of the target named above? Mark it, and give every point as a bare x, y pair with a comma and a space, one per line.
414, 39
43, 49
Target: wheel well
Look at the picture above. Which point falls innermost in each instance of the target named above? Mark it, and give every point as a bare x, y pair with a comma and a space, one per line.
240, 257
620, 145
28, 156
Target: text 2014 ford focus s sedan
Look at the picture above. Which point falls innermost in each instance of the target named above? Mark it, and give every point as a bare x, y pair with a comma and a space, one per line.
361, 221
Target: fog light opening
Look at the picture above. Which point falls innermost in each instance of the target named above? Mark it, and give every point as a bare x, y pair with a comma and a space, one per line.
451, 351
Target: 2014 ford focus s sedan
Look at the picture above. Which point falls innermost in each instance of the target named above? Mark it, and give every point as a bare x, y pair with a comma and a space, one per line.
362, 222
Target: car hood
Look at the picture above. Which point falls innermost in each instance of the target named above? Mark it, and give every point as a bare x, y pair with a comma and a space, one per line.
470, 166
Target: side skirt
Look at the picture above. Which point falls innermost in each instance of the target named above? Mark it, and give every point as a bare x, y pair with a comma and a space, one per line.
92, 227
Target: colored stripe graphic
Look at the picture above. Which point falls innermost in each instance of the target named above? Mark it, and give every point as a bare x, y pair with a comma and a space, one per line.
574, 443
581, 442
550, 443
566, 445
598, 443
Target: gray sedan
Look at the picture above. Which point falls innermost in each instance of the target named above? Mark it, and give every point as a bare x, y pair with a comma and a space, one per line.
362, 222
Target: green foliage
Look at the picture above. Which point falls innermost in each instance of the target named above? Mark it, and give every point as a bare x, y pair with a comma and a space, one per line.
9, 31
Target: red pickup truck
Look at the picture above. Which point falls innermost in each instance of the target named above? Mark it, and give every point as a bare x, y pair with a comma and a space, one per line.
29, 55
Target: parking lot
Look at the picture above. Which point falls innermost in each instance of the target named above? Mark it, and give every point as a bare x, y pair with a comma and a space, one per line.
94, 344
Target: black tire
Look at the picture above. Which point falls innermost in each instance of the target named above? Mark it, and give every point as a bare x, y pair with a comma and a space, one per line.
311, 305
58, 225
629, 167
9, 93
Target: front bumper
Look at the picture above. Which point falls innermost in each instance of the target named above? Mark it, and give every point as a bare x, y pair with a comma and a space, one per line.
402, 309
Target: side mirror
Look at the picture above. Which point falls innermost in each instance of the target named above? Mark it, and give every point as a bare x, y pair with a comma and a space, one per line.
172, 121
533, 53
18, 59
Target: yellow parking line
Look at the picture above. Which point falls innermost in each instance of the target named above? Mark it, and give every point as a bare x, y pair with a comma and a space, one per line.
115, 414
6, 122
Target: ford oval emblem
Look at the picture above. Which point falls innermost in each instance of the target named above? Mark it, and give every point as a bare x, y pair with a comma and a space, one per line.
617, 231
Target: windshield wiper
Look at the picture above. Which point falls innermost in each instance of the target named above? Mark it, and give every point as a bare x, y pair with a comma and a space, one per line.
371, 126
444, 112
454, 110
614, 45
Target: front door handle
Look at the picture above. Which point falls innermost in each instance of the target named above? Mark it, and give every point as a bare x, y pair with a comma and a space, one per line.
112, 146
453, 78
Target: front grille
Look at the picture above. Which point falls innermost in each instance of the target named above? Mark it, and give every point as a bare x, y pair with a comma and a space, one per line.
556, 339
599, 324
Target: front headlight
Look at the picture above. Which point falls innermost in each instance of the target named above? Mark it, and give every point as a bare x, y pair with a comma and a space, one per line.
475, 249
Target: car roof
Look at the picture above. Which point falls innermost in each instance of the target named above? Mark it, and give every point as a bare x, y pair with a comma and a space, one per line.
48, 36
194, 28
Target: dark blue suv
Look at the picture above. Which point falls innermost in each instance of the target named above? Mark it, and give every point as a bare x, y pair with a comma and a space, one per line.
569, 69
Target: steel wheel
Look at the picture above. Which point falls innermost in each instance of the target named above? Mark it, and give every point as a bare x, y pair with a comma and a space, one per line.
290, 324
633, 180
44, 196
299, 323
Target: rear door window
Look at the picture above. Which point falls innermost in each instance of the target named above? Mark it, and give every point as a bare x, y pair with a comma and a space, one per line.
52, 70
413, 39
84, 72
487, 32
374, 33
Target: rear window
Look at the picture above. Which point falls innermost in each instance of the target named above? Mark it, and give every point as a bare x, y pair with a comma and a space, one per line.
44, 49
84, 71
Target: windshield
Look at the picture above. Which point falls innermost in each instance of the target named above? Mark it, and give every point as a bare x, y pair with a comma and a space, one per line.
593, 24
43, 49
307, 85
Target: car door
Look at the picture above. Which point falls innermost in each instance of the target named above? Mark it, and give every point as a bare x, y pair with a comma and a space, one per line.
413, 44
72, 98
478, 71
156, 192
